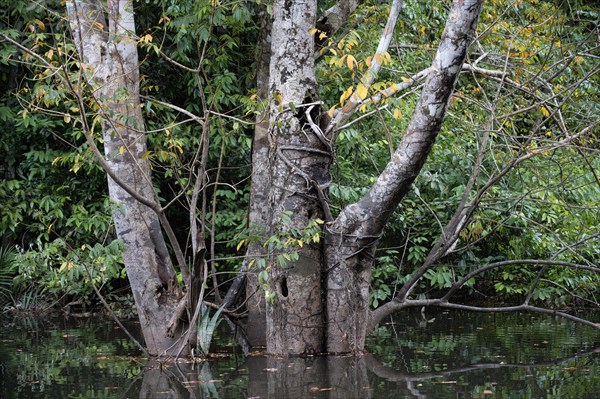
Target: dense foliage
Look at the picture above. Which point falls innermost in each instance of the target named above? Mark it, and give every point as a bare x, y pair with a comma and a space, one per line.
538, 83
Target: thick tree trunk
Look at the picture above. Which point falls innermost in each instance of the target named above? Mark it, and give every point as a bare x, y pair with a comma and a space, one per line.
352, 238
109, 61
294, 174
298, 165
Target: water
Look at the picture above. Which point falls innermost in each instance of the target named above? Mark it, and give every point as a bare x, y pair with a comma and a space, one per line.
436, 354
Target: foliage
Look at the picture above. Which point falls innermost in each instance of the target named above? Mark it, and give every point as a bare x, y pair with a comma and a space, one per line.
8, 269
53, 191
540, 208
63, 270
284, 245
206, 328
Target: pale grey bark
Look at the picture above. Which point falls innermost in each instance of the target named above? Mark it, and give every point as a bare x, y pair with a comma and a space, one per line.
299, 160
103, 34
352, 238
335, 17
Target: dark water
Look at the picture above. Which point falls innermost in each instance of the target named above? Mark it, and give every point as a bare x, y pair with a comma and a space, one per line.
415, 355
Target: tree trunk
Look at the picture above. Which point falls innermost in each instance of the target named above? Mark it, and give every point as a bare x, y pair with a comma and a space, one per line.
294, 177
298, 160
351, 240
109, 61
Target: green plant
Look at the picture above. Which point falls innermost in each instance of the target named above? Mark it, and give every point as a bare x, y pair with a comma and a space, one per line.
8, 270
206, 328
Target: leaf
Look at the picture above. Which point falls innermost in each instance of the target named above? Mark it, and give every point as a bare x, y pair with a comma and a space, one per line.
206, 328
292, 107
545, 112
240, 245
331, 111
362, 91
350, 61
397, 114
39, 24
346, 94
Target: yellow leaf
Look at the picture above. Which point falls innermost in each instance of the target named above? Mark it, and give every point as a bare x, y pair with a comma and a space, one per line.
322, 36
350, 61
55, 161
67, 118
121, 150
331, 111
405, 79
39, 24
145, 39
368, 61
362, 108
362, 91
312, 31
240, 245
397, 114
545, 112
346, 94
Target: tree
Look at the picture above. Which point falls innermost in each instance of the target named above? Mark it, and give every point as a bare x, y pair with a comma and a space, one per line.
308, 267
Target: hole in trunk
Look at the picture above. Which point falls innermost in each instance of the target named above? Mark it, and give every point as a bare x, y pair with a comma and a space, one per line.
284, 288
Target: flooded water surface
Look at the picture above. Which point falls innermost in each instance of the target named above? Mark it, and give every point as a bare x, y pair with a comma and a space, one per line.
434, 354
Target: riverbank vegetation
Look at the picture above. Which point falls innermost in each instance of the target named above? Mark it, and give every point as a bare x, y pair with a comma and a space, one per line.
249, 178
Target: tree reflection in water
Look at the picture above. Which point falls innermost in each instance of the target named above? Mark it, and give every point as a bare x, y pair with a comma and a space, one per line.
438, 355
338, 377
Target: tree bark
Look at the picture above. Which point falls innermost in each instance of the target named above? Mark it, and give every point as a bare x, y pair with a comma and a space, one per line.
109, 64
298, 164
259, 212
351, 239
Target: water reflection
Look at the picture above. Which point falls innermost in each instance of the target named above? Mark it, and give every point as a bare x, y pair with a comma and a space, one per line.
433, 355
